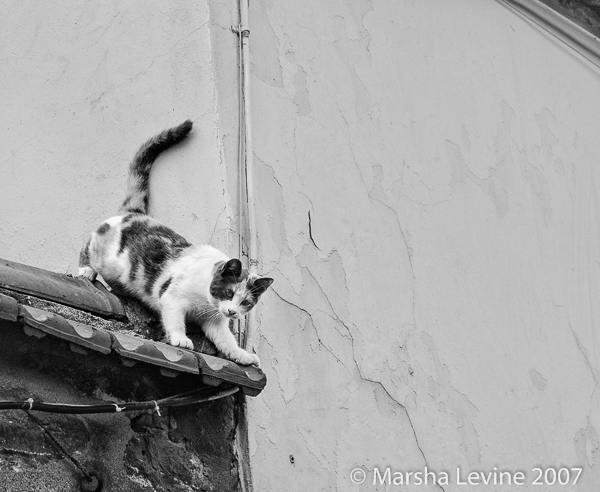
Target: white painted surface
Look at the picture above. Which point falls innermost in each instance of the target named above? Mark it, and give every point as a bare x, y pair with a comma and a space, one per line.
84, 85
446, 313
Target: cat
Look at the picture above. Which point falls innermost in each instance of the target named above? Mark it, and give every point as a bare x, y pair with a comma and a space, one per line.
138, 256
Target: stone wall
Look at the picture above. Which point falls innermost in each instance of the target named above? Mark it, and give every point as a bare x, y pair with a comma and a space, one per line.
184, 449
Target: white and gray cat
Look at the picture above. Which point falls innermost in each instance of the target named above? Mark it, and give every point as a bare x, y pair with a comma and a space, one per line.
138, 256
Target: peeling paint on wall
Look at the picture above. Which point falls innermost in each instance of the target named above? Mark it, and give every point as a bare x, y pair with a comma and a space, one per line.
427, 207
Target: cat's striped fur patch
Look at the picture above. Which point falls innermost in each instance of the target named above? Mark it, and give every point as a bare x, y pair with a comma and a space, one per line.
138, 180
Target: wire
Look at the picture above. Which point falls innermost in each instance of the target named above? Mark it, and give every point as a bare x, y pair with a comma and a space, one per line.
190, 398
60, 447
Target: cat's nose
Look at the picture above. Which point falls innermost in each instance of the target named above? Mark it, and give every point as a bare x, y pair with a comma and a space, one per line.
231, 312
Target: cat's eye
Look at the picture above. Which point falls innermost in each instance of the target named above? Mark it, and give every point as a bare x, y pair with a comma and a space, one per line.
245, 303
228, 293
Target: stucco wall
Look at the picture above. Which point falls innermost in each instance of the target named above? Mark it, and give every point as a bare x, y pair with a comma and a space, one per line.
83, 87
428, 204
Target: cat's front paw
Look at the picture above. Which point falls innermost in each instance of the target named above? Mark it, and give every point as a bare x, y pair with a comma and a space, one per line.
246, 358
181, 341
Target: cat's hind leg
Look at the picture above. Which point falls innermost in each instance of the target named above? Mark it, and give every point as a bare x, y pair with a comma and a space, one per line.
85, 269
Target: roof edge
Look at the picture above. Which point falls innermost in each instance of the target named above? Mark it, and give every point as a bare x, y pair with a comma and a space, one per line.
78, 293
582, 41
171, 360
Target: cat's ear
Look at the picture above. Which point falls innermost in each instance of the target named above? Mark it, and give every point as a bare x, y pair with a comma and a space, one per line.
233, 268
261, 284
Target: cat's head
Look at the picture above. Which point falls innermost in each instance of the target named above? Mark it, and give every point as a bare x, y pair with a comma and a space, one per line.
234, 292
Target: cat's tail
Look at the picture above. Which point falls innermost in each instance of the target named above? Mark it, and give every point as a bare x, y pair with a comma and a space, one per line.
138, 179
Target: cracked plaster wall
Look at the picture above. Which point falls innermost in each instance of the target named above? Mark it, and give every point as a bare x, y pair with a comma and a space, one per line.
428, 205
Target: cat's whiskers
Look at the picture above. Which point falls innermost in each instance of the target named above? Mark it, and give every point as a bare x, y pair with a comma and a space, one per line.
213, 317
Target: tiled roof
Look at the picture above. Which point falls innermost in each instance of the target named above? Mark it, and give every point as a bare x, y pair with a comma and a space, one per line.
80, 294
75, 292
